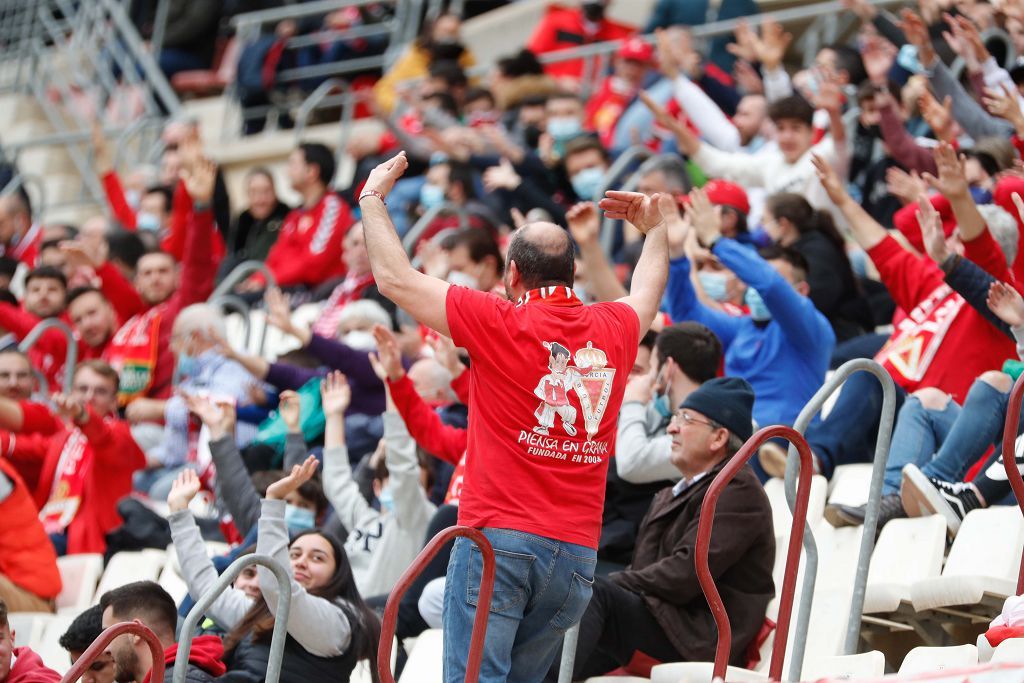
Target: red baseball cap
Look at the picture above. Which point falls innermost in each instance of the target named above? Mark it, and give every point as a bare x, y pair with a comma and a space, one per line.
724, 193
637, 49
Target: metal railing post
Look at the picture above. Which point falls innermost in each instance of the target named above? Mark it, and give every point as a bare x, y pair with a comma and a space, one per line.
1010, 457
235, 304
867, 541
483, 608
156, 651
703, 547
71, 355
569, 642
240, 273
280, 633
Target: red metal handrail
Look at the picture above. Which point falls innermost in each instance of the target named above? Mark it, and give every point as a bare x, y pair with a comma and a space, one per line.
796, 537
1010, 457
156, 650
483, 608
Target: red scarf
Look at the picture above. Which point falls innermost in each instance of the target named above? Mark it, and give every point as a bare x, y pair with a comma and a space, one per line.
133, 353
68, 484
917, 338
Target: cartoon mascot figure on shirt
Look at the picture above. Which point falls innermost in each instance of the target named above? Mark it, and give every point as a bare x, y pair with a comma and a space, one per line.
553, 391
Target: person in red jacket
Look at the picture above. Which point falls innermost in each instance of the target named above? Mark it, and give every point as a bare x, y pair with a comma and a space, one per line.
146, 603
619, 90
20, 236
562, 28
20, 664
29, 578
140, 350
308, 250
85, 467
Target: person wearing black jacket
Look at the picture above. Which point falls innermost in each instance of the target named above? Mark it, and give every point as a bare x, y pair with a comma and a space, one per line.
255, 229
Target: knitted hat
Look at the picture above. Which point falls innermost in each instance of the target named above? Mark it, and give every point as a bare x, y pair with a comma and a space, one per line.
729, 401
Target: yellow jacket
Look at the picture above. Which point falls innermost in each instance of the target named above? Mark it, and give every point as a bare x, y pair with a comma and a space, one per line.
413, 64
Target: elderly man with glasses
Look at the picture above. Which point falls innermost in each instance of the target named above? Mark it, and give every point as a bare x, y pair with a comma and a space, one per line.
656, 606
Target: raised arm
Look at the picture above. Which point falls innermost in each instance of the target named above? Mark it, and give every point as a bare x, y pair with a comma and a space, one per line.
339, 485
421, 295
585, 227
865, 230
952, 183
651, 273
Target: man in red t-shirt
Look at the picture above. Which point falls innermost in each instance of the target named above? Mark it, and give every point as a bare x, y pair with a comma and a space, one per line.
547, 379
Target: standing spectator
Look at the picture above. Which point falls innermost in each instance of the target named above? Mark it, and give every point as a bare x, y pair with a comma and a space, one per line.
20, 664
29, 579
255, 230
525, 426
146, 603
567, 27
619, 90
656, 606
140, 351
308, 249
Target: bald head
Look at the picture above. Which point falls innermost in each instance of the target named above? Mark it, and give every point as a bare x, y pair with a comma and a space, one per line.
540, 255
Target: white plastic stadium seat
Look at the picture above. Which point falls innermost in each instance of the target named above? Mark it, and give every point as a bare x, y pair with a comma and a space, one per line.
170, 580
79, 575
28, 627
361, 674
908, 551
127, 567
850, 484
1010, 650
48, 646
426, 661
781, 517
845, 667
700, 672
981, 570
922, 660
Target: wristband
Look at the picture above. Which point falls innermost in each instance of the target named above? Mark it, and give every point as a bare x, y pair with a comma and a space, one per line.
373, 193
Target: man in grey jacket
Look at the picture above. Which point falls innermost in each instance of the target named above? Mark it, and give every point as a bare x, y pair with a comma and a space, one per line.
685, 356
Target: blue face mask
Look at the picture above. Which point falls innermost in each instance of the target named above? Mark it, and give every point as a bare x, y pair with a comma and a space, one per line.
980, 195
147, 221
758, 310
564, 128
386, 499
298, 519
587, 182
431, 195
714, 284
188, 366
662, 403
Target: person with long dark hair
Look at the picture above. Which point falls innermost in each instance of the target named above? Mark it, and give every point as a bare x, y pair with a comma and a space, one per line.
792, 222
330, 627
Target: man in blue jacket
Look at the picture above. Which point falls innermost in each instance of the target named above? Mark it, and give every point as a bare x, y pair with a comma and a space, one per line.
783, 346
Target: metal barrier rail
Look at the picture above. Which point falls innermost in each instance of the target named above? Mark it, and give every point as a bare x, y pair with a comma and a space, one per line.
230, 303
483, 608
703, 546
1010, 457
280, 633
867, 542
242, 271
70, 356
156, 651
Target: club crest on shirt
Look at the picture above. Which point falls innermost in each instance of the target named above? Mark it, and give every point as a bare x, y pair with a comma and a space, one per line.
588, 376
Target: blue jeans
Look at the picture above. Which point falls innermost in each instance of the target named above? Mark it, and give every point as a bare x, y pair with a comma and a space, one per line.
944, 443
541, 589
849, 432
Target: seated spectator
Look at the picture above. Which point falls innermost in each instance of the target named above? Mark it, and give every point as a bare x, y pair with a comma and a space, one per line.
189, 37
619, 90
82, 633
95, 318
791, 222
438, 41
16, 379
29, 579
45, 297
331, 627
140, 350
475, 261
453, 183
146, 603
201, 369
783, 346
656, 606
308, 249
568, 27
85, 467
586, 162
20, 235
686, 356
20, 664
381, 544
357, 284
255, 230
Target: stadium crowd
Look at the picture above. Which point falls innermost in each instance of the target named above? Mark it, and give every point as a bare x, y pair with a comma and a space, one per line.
867, 205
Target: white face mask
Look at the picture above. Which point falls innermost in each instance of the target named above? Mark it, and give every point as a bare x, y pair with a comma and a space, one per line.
457, 277
360, 340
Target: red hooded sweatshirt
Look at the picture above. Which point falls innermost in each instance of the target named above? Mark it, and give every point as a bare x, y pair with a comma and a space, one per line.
29, 668
206, 653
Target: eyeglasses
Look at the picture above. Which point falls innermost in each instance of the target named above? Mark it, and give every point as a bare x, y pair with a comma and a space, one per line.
683, 417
